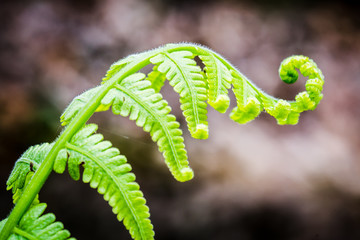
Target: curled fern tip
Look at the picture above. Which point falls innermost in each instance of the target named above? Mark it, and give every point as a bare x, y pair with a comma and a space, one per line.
186, 174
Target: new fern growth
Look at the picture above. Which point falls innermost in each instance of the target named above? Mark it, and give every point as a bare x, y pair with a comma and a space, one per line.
130, 93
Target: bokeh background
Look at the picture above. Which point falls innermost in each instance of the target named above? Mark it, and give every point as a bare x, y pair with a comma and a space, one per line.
253, 181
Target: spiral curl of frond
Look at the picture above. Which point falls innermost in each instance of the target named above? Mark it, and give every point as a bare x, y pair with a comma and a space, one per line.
288, 112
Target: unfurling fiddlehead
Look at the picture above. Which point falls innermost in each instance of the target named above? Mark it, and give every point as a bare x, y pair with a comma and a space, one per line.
251, 101
133, 94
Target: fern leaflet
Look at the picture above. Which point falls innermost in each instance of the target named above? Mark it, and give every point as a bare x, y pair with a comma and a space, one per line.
134, 97
186, 78
107, 171
35, 226
247, 99
218, 79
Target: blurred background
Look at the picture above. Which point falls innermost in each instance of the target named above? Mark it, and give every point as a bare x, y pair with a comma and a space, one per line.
253, 181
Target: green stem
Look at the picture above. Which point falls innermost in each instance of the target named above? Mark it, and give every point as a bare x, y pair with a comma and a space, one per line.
41, 175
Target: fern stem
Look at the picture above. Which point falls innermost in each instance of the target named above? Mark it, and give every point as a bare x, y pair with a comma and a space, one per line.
30, 191
43, 172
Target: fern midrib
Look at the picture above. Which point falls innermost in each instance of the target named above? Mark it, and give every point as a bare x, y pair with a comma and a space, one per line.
192, 93
112, 176
24, 234
160, 120
210, 69
239, 92
219, 78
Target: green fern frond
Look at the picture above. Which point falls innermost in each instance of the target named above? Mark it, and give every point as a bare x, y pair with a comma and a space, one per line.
219, 80
126, 91
135, 97
35, 226
187, 80
107, 171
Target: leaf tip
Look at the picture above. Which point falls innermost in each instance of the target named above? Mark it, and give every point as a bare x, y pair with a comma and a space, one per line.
221, 103
186, 174
201, 131
248, 112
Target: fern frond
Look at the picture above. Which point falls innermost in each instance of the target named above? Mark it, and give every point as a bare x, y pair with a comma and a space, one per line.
126, 91
135, 97
107, 171
218, 78
35, 226
187, 80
